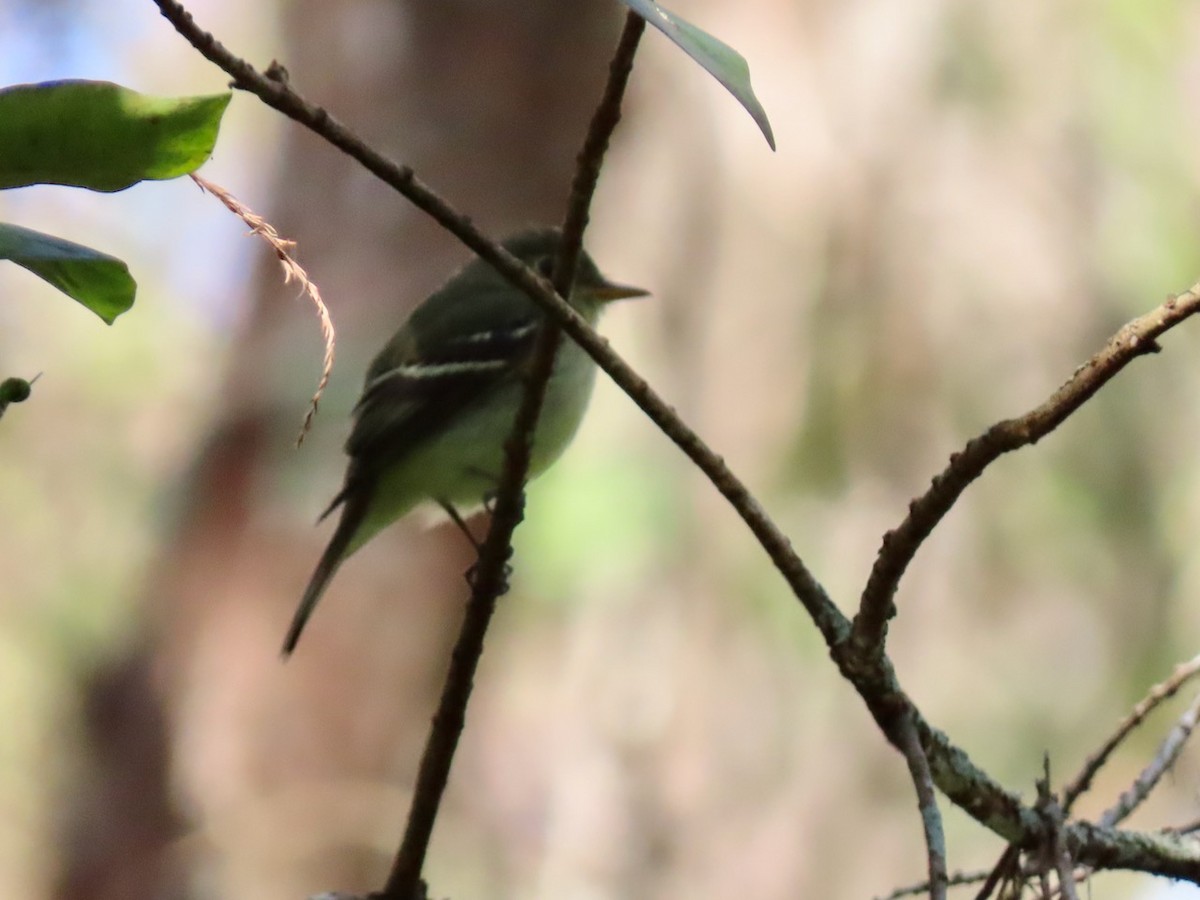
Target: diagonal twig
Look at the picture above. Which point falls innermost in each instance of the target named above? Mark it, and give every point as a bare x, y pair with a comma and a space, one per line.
900, 545
954, 879
1006, 869
1188, 828
1161, 692
1168, 752
931, 819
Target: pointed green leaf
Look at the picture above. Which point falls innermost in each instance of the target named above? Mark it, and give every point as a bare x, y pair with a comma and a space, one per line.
99, 135
100, 282
720, 60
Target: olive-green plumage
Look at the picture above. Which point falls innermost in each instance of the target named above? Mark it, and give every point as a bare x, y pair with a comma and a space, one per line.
441, 396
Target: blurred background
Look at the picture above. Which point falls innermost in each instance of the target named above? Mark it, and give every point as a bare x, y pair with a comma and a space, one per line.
968, 197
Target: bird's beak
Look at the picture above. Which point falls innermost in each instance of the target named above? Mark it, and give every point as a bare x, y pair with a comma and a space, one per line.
608, 291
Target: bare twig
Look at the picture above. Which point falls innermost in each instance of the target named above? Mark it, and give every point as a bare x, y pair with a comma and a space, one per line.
1054, 849
1063, 867
1010, 877
955, 879
931, 819
1006, 869
900, 545
1109, 849
1182, 674
1167, 753
1188, 828
292, 270
488, 580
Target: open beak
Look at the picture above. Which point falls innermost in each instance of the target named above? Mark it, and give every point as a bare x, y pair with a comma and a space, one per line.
608, 291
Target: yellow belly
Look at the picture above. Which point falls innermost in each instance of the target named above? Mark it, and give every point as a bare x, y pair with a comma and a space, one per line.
462, 463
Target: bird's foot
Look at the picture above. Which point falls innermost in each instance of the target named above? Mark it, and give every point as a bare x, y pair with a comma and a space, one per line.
489, 503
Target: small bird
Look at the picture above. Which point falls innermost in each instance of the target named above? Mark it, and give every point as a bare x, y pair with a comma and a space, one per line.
440, 399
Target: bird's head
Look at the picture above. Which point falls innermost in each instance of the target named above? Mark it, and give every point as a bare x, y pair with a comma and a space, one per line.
538, 248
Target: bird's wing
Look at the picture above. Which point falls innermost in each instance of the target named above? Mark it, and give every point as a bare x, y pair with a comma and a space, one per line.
407, 405
412, 396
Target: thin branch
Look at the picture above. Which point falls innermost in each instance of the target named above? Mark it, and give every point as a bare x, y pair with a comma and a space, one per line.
1188, 828
931, 819
999, 810
1007, 867
276, 93
1182, 674
1125, 848
292, 271
1109, 849
1010, 876
955, 879
1054, 849
954, 773
1167, 753
900, 545
488, 580
591, 157
1063, 868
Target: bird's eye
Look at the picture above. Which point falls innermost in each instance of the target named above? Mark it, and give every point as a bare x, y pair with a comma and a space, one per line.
545, 266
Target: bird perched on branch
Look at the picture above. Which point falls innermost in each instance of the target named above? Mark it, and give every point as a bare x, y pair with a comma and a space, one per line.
441, 397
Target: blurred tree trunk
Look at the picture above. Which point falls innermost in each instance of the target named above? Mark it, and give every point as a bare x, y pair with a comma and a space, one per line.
281, 773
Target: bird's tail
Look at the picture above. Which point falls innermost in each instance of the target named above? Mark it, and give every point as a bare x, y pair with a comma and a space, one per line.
352, 516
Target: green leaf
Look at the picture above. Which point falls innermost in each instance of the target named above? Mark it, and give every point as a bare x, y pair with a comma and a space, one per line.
100, 282
720, 60
99, 135
14, 390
